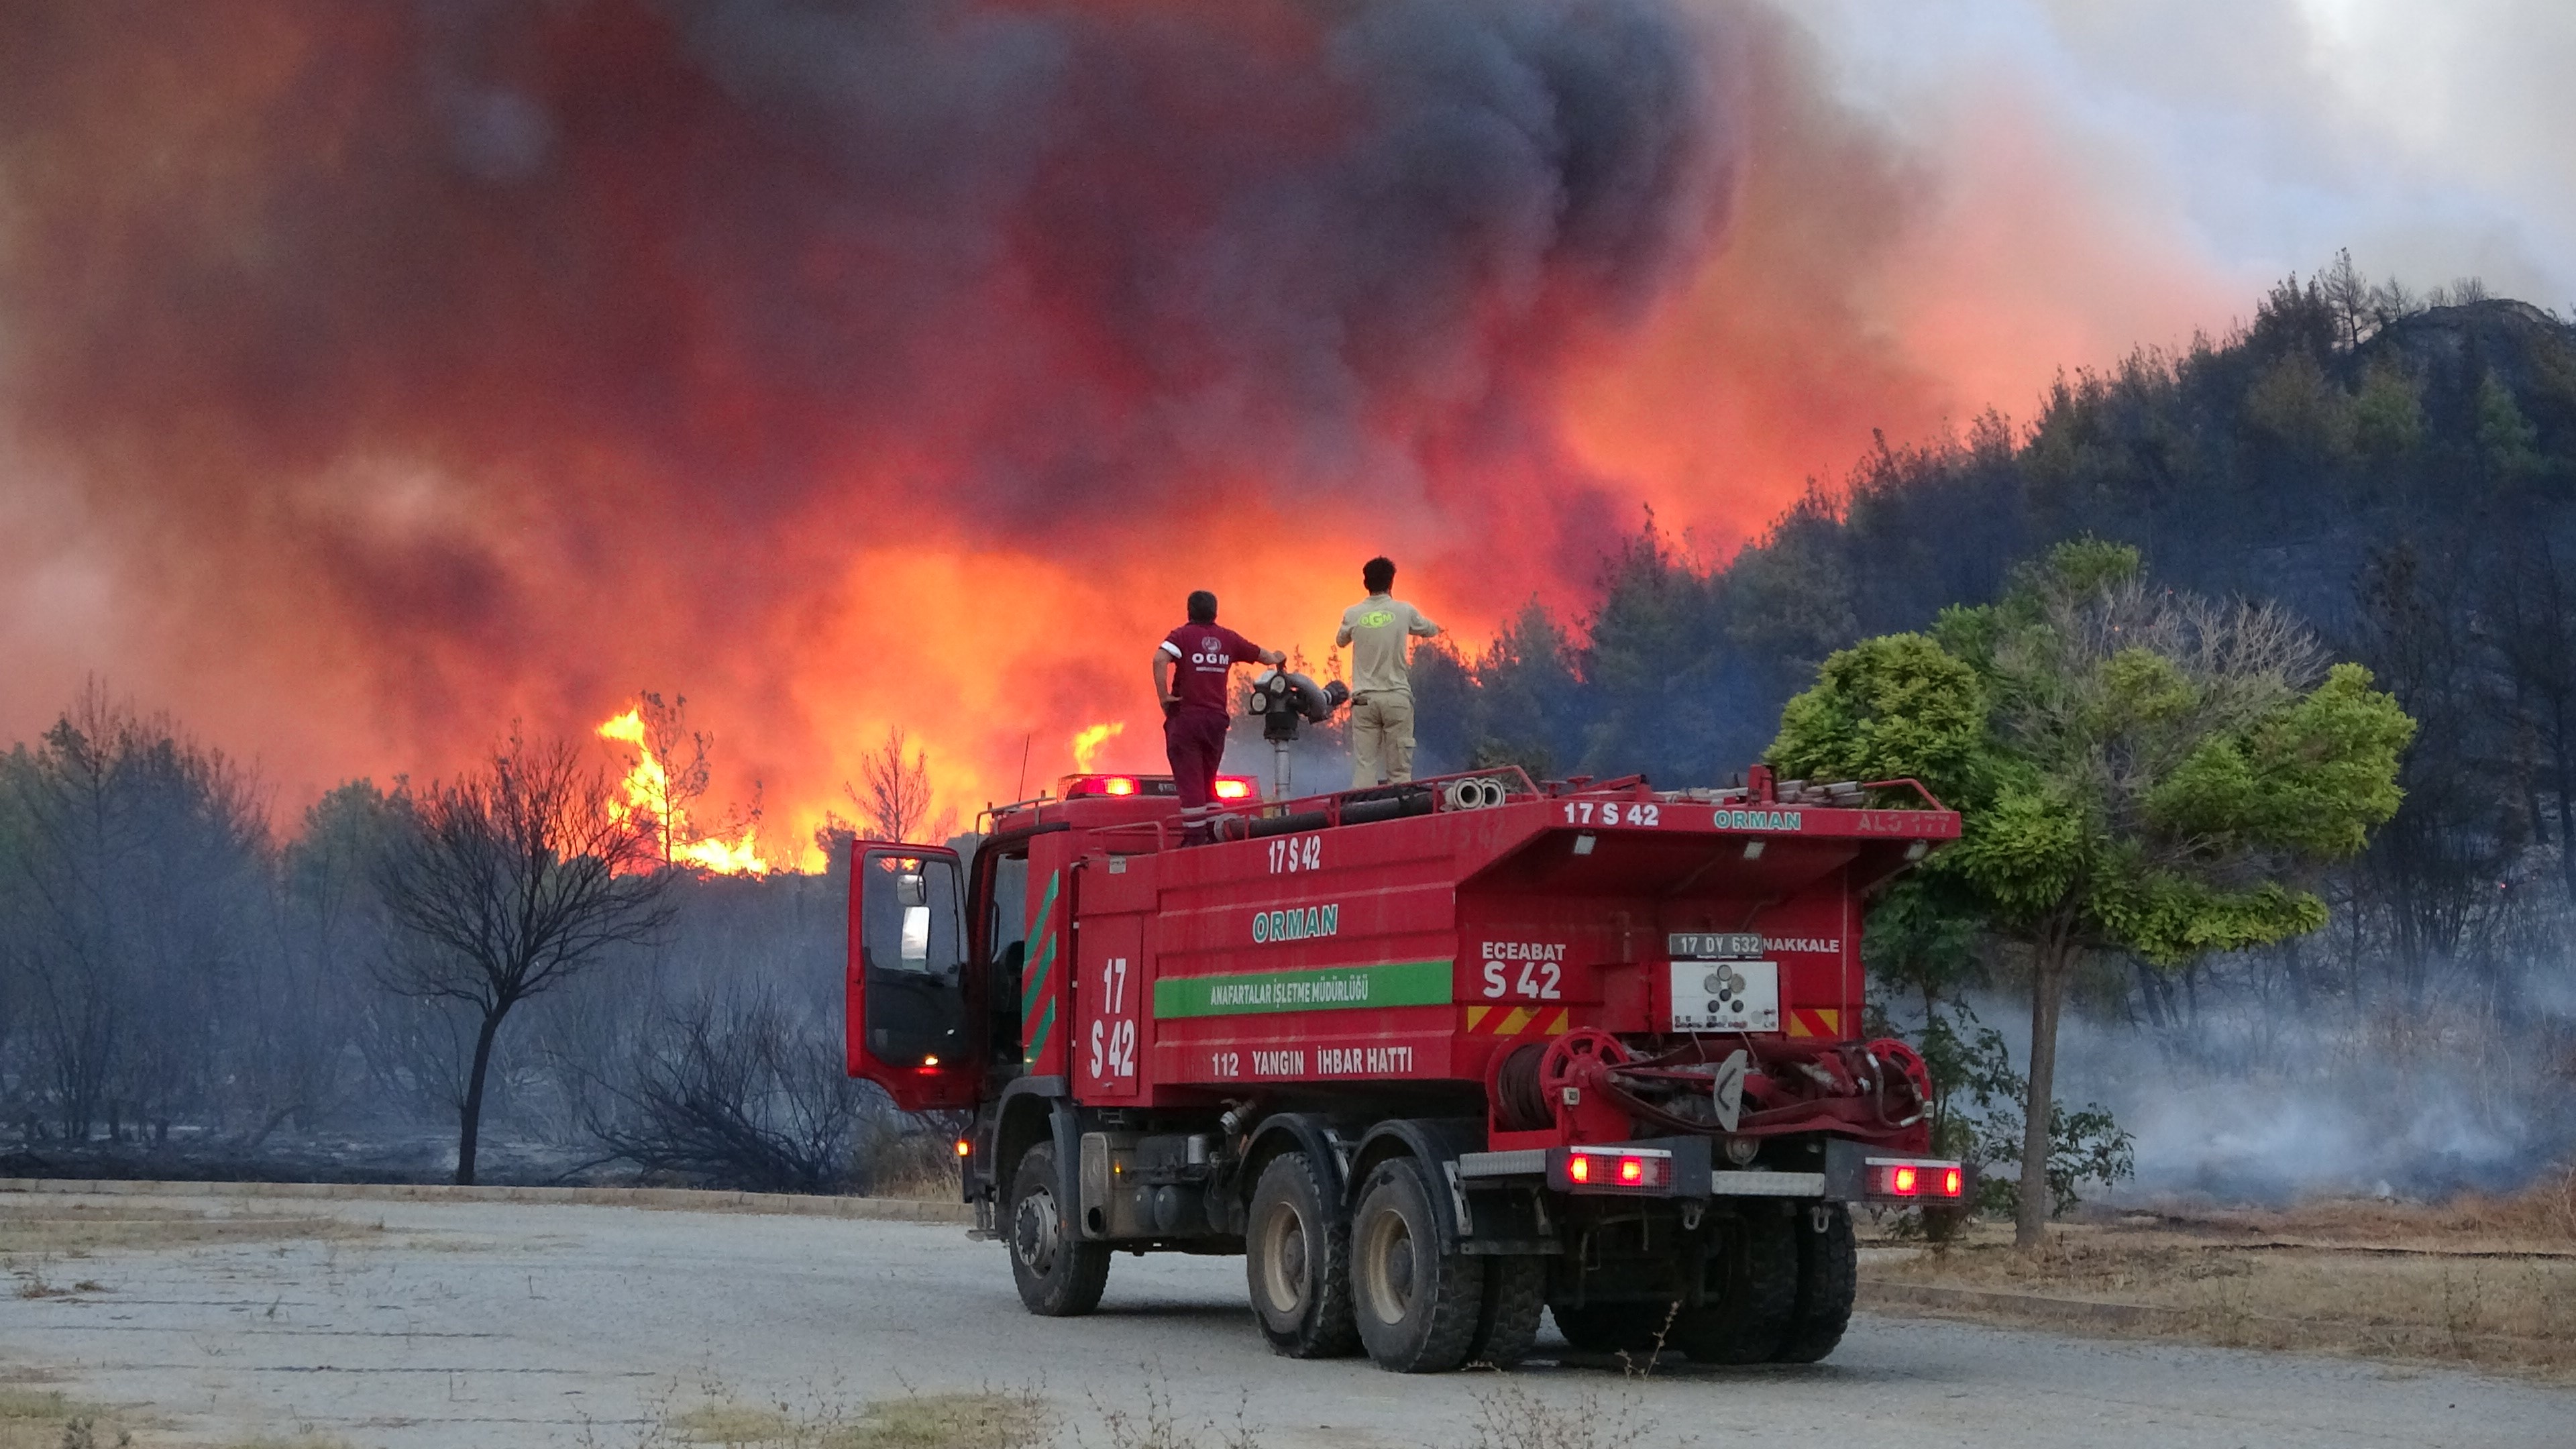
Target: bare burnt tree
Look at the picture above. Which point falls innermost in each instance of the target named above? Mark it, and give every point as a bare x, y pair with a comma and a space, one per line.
298, 1042
135, 864
893, 795
2532, 609
685, 757
2432, 869
744, 1094
510, 881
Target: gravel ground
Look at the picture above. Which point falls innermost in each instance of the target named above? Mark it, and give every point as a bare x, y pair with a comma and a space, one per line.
492, 1323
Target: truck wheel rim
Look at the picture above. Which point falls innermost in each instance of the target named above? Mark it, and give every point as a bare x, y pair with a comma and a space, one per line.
1033, 1232
1283, 1259
1388, 1259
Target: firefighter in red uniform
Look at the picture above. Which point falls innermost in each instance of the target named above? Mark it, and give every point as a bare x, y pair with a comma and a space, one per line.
1193, 675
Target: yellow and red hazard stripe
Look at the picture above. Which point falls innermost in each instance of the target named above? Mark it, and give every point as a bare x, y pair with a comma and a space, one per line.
1518, 1020
1816, 1021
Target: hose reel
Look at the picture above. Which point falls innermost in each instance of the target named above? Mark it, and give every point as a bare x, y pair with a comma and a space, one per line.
1477, 792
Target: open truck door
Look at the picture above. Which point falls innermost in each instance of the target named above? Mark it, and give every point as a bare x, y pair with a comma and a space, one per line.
909, 1028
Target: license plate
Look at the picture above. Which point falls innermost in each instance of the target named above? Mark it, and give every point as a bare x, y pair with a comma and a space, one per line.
1708, 946
1726, 996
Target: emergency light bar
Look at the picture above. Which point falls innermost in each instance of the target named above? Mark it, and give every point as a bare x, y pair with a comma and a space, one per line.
1228, 787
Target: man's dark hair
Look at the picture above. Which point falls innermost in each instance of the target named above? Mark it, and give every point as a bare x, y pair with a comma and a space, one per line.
1378, 574
1202, 607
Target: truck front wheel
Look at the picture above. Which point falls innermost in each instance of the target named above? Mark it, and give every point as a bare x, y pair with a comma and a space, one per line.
1297, 1256
1417, 1307
1058, 1275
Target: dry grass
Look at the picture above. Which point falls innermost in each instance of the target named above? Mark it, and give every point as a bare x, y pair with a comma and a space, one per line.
55, 1228
921, 1167
983, 1420
2483, 1281
42, 1419
1152, 1423
2541, 1217
1513, 1417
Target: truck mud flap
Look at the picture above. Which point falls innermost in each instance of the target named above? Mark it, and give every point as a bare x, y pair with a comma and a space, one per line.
1474, 1217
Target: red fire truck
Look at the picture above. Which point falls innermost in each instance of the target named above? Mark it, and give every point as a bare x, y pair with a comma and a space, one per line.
1434, 1057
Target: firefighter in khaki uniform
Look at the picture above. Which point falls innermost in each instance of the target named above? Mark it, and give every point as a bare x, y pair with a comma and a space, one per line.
1377, 630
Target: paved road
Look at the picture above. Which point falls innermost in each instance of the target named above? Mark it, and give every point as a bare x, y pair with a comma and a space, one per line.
483, 1324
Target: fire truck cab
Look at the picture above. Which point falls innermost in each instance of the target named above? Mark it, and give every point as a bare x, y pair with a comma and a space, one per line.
1437, 1057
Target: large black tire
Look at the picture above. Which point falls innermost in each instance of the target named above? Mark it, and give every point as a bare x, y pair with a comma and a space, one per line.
1058, 1275
1624, 1327
1750, 1320
1417, 1308
1828, 1278
1507, 1321
1297, 1260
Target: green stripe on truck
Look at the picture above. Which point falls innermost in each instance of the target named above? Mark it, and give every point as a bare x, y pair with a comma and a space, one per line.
1334, 988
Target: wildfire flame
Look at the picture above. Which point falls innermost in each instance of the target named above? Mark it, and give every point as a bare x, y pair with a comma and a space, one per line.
1088, 740
647, 788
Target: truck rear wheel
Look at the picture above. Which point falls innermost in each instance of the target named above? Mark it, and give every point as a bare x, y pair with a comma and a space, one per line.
1297, 1257
1751, 1319
1828, 1277
1058, 1275
1418, 1308
1507, 1321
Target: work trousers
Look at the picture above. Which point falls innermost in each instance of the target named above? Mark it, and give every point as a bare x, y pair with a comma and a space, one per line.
1194, 741
1381, 737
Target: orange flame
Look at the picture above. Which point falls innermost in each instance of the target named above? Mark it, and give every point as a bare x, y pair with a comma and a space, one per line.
647, 788
1088, 741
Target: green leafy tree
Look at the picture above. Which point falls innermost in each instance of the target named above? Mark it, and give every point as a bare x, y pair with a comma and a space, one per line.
2139, 770
2507, 442
2388, 413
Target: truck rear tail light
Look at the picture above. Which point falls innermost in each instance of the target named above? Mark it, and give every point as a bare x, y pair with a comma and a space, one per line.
1618, 1169
1234, 787
1118, 785
1938, 1181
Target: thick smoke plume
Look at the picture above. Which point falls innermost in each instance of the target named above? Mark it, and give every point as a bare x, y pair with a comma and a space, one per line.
488, 357
374, 374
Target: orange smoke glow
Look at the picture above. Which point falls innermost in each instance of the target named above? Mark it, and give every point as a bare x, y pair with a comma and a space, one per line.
651, 802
